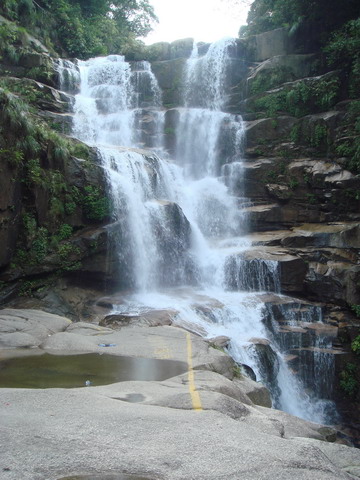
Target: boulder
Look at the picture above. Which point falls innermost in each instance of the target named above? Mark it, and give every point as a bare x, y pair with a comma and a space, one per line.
334, 281
172, 117
151, 318
28, 328
219, 342
285, 67
170, 77
291, 269
268, 129
279, 192
336, 235
269, 44
173, 233
262, 217
256, 391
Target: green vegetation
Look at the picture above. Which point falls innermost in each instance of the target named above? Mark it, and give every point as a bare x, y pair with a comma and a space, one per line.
343, 51
10, 38
355, 345
348, 145
37, 243
301, 98
35, 145
96, 205
348, 381
81, 28
326, 15
311, 198
293, 183
273, 174
237, 371
269, 79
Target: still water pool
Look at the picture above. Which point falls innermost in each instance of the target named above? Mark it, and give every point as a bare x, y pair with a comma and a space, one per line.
70, 371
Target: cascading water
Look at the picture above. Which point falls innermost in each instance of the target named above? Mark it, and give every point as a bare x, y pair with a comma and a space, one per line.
180, 228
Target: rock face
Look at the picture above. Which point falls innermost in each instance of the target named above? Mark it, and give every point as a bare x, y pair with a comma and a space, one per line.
257, 439
303, 189
53, 201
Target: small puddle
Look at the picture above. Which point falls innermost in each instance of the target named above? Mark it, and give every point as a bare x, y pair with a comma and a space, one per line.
71, 371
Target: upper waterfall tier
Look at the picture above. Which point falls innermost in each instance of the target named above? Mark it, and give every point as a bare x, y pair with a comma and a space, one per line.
111, 104
206, 76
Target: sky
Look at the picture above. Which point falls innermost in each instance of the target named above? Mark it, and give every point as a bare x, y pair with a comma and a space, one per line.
203, 20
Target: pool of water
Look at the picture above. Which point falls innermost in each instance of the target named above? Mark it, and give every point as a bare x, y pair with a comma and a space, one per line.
70, 371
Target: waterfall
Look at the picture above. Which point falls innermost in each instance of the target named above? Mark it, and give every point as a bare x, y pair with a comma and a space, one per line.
180, 229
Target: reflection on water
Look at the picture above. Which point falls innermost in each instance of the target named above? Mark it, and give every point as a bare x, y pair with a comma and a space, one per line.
59, 371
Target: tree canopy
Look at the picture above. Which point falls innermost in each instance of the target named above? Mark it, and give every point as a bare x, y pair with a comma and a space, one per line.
84, 28
328, 15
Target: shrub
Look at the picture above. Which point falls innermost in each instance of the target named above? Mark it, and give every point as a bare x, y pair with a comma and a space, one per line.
96, 205
348, 382
355, 345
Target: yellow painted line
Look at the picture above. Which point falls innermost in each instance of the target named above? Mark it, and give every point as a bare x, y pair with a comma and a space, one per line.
194, 394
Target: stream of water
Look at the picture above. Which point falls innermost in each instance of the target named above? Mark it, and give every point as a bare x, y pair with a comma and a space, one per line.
181, 229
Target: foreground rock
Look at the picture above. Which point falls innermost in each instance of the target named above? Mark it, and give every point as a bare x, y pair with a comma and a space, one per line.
157, 429
28, 328
94, 431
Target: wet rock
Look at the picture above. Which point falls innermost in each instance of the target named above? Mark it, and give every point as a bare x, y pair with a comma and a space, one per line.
219, 342
269, 44
257, 392
152, 318
173, 231
267, 129
328, 433
171, 122
291, 269
268, 361
10, 206
337, 235
263, 217
288, 67
169, 75
268, 238
248, 372
334, 281
280, 192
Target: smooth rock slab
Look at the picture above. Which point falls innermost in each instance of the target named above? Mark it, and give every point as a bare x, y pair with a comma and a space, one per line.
73, 432
28, 328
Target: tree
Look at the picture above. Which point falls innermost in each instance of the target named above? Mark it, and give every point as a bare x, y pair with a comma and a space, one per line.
84, 28
327, 15
135, 16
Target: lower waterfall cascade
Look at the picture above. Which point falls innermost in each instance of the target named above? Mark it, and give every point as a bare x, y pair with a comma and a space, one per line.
181, 227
